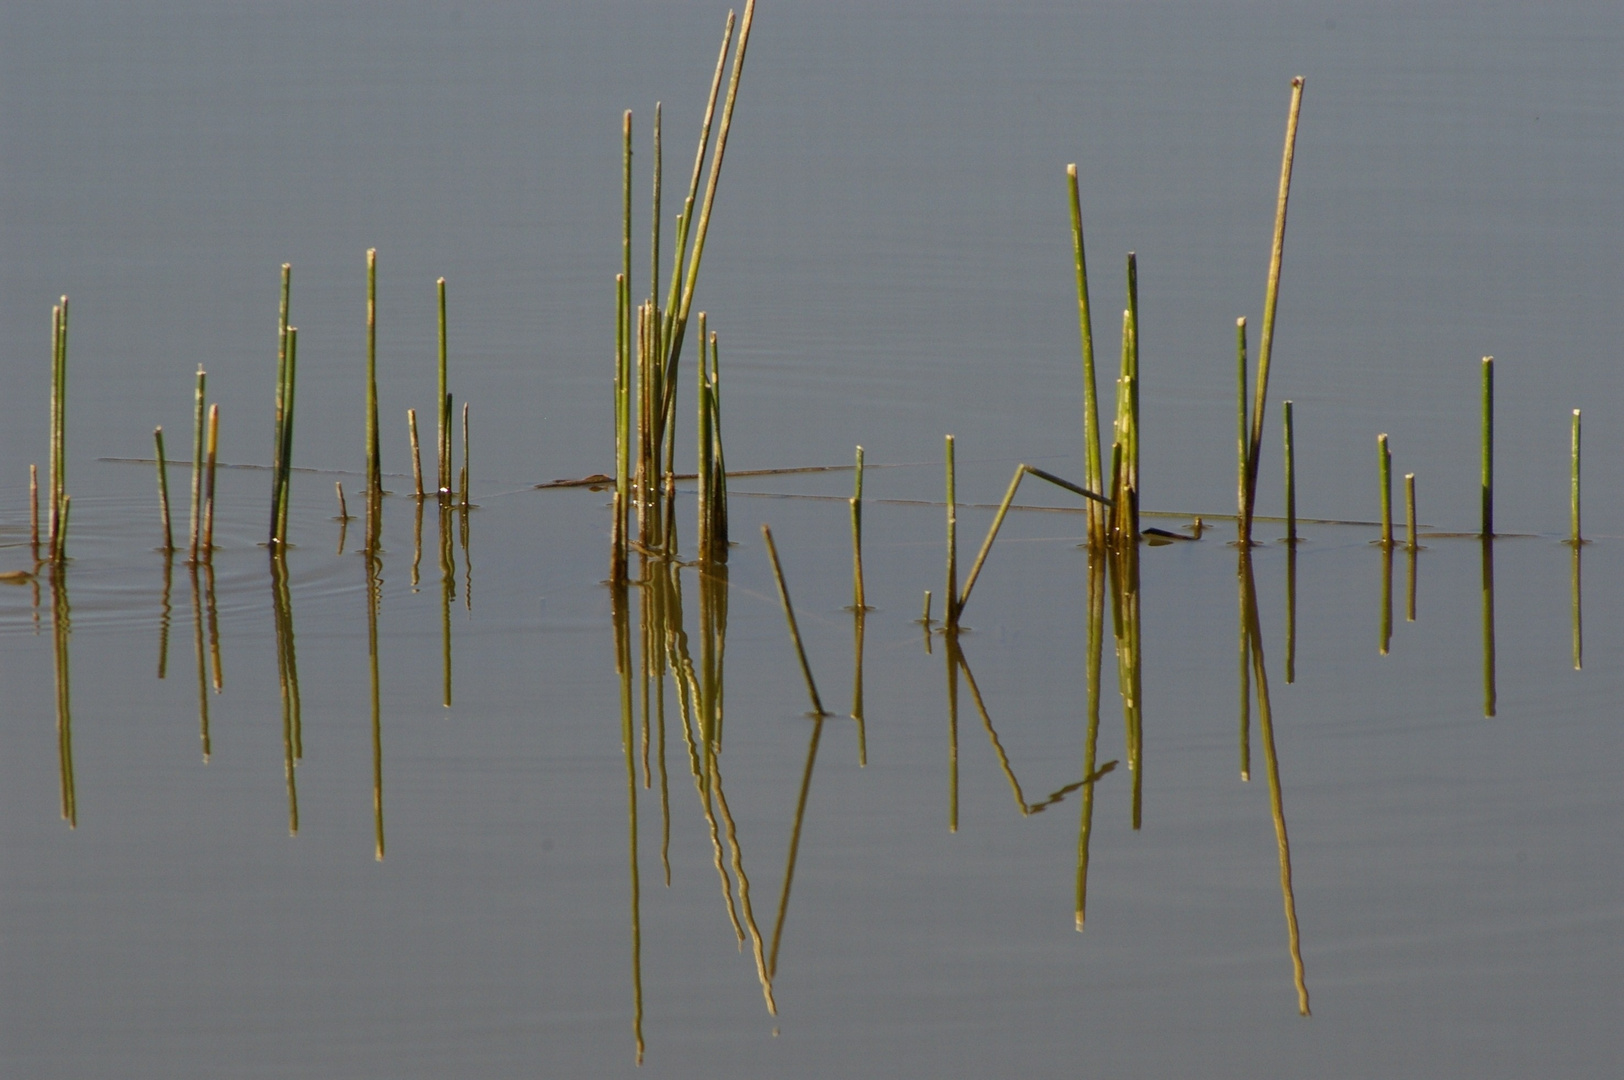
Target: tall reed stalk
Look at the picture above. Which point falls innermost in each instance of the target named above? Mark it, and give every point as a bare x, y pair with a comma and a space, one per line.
1291, 476
1271, 299
1488, 448
1573, 512
1085, 331
163, 494
59, 397
1384, 472
210, 454
444, 443
279, 432
200, 413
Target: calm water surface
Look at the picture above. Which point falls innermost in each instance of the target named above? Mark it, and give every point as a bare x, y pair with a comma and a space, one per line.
889, 262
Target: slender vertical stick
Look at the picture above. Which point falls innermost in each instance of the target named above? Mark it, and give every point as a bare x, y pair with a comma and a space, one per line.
374, 468
208, 483
859, 594
462, 484
1132, 330
1085, 330
287, 436
1384, 472
445, 408
198, 421
1242, 426
33, 501
281, 404
703, 442
1291, 479
950, 610
1409, 510
789, 615
1271, 298
1577, 538
1488, 448
53, 464
417, 458
163, 494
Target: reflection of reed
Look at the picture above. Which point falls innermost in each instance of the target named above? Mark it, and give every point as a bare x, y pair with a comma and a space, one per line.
374, 598
163, 613
1245, 680
62, 627
1254, 637
417, 532
288, 676
795, 841
951, 654
1409, 597
1387, 599
448, 591
211, 609
1488, 619
1096, 645
1291, 607
1027, 809
1578, 617
858, 618
198, 642
623, 667
1124, 566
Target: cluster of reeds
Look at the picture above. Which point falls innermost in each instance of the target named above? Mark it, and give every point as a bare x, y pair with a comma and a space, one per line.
649, 339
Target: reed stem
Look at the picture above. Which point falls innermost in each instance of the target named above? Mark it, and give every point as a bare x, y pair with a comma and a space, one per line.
1488, 448
1291, 479
1271, 299
163, 493
1242, 425
1576, 538
1085, 331
373, 459
198, 421
789, 615
859, 594
208, 483
950, 609
1384, 472
277, 440
462, 484
33, 504
444, 399
1409, 512
417, 458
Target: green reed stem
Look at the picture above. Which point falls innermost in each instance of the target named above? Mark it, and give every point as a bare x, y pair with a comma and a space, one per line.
445, 398
1291, 478
1384, 473
287, 436
704, 444
373, 458
1409, 512
281, 399
210, 454
859, 595
1133, 371
463, 482
789, 615
1574, 511
163, 493
1242, 423
1085, 331
417, 458
197, 465
33, 507
1271, 298
1488, 447
950, 610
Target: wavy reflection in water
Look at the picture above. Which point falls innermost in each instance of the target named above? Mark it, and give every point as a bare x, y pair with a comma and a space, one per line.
61, 629
288, 677
1414, 554
374, 599
1245, 679
1254, 638
164, 611
795, 840
950, 652
417, 541
1578, 615
859, 617
1488, 626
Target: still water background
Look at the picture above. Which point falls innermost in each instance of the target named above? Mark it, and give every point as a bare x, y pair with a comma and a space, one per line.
889, 262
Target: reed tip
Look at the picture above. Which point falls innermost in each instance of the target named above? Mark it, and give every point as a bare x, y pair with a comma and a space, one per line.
1298, 81
1071, 170
440, 282
1409, 476
1575, 413
372, 254
1241, 321
1488, 359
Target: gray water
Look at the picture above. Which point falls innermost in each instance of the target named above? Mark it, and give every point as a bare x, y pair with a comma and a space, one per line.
890, 261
